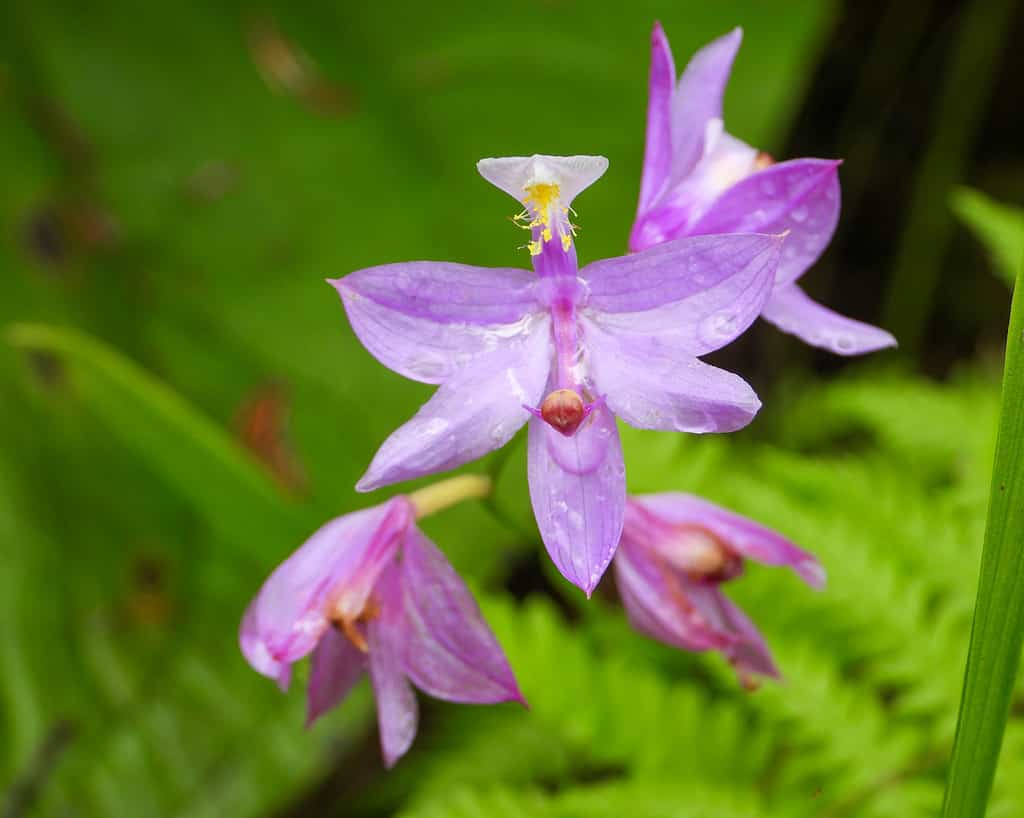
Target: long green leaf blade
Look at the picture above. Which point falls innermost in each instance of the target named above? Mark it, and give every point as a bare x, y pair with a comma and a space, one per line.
998, 626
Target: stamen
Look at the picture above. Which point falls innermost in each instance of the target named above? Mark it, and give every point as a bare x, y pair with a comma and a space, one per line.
350, 627
354, 635
544, 211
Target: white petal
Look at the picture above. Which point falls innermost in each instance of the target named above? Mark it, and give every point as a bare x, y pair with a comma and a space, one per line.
572, 174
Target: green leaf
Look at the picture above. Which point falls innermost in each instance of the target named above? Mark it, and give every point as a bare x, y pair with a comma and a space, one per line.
232, 491
998, 628
998, 226
125, 692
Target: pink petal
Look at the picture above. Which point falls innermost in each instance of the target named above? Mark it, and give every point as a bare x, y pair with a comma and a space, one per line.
397, 709
337, 665
578, 490
426, 319
749, 652
792, 311
801, 196
478, 410
657, 603
748, 538
338, 565
450, 652
688, 296
698, 100
652, 387
658, 148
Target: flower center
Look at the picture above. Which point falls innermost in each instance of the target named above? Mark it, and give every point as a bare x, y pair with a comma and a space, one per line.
352, 627
545, 214
702, 556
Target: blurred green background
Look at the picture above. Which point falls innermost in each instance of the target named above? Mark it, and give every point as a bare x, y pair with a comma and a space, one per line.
182, 401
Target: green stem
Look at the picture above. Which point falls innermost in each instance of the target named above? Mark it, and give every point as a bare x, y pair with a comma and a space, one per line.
998, 627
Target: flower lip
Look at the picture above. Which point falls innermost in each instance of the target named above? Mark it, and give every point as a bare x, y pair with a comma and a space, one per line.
517, 175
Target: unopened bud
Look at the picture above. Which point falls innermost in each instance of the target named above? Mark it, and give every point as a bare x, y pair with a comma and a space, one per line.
563, 410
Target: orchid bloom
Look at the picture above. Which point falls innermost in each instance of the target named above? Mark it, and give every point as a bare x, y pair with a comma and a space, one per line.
699, 180
369, 592
676, 550
564, 349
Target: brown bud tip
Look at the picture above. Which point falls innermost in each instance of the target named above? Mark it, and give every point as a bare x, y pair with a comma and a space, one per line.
763, 161
563, 410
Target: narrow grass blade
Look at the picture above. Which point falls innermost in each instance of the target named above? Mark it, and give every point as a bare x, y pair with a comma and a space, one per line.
999, 611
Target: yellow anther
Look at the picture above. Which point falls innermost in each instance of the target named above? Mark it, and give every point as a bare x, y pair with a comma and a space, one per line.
541, 197
544, 211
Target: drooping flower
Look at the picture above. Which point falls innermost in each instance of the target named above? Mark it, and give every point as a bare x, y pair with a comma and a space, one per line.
698, 179
368, 592
566, 349
676, 551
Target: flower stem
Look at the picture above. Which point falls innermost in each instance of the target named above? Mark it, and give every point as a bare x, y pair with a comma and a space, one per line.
440, 496
998, 627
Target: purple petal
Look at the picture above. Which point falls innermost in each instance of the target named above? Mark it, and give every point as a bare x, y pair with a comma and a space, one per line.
719, 285
698, 100
792, 311
337, 665
425, 319
657, 602
450, 652
658, 148
335, 568
397, 710
748, 538
578, 491
801, 196
478, 410
726, 161
691, 269
652, 387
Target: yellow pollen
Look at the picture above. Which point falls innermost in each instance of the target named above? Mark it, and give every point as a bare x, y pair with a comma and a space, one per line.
541, 199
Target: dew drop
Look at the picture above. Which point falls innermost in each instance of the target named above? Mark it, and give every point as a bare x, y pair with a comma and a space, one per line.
844, 343
799, 214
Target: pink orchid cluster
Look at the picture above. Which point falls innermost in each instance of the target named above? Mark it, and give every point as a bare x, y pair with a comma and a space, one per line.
721, 236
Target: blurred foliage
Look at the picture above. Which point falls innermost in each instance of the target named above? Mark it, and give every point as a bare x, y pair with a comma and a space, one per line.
1000, 227
182, 402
